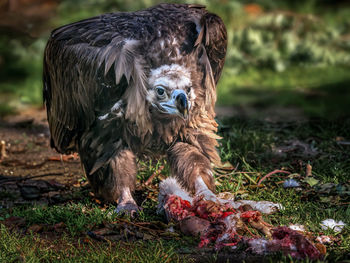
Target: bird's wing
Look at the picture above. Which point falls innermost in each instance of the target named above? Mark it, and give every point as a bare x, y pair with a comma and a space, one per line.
211, 45
88, 67
213, 37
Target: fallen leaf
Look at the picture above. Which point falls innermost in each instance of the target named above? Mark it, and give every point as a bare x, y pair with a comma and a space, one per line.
311, 181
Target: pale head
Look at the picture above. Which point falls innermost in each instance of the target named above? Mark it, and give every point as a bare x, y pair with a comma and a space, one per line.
170, 90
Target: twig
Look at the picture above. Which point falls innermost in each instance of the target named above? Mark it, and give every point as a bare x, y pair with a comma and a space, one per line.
249, 178
64, 157
137, 225
271, 173
156, 173
245, 173
150, 179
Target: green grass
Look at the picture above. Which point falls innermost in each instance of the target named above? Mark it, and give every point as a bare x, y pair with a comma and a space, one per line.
78, 217
31, 248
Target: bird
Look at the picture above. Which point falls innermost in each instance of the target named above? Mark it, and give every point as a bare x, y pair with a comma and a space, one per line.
127, 85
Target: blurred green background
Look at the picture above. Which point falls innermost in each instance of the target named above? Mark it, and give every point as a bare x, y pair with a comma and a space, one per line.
288, 58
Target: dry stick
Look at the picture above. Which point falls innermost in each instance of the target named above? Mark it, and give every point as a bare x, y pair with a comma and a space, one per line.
249, 178
245, 173
150, 179
156, 173
137, 225
271, 173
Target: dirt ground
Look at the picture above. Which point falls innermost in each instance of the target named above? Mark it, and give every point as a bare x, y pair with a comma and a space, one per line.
31, 171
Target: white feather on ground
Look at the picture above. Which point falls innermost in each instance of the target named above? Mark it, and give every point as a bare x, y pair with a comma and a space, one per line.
332, 224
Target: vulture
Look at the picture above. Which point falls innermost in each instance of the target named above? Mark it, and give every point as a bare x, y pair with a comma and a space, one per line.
126, 85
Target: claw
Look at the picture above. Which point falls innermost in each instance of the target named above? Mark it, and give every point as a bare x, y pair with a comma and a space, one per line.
128, 208
201, 189
127, 204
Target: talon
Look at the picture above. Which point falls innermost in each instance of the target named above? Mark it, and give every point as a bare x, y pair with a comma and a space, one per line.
126, 204
129, 208
203, 190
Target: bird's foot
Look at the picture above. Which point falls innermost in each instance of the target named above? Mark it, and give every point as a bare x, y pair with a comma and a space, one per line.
201, 189
128, 208
127, 204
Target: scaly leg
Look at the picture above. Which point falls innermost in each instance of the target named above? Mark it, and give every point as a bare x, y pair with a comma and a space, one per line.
116, 181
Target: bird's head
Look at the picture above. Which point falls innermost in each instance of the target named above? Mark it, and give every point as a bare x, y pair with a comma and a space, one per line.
170, 91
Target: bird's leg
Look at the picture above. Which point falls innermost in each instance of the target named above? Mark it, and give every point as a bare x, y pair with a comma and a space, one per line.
201, 189
192, 169
116, 181
124, 169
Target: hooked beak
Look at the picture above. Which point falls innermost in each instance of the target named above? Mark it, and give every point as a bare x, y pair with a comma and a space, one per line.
177, 105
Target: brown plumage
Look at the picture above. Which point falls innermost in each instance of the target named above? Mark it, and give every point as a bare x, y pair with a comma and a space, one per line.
122, 85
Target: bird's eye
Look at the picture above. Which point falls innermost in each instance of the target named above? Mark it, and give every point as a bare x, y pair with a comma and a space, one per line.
160, 91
